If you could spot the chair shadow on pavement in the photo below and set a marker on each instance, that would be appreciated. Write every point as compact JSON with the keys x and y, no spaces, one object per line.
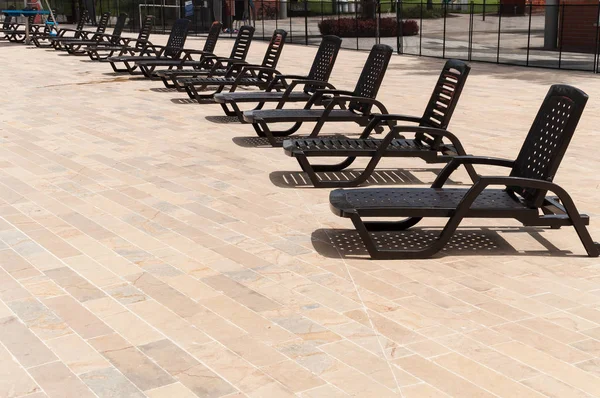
{"x":257,"y":142}
{"x":189,"y":101}
{"x":380,"y":177}
{"x":163,"y":90}
{"x":222,"y":119}
{"x":470,"y":241}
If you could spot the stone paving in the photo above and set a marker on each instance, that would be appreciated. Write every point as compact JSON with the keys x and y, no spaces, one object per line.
{"x":147,"y":250}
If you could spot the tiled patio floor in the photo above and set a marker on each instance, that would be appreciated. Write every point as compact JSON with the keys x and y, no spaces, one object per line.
{"x":148,"y":251}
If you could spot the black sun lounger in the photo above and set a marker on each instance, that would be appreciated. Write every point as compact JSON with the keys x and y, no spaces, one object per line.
{"x":103,"y":50}
{"x":247,"y":75}
{"x":62,"y":43}
{"x":318,"y":77}
{"x":523,"y":196}
{"x":210,"y":64}
{"x":148,"y":66}
{"x":431,"y":141}
{"x":355,"y":106}
{"x":16,"y":33}
{"x":98,"y":39}
{"x":7,"y":26}
{"x":47,"y":40}
{"x":172,"y":50}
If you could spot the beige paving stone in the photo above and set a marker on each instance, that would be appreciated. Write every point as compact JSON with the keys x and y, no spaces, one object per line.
{"x":132,"y":328}
{"x":77,"y":317}
{"x":439,"y":377}
{"x":551,"y":387}
{"x":14,"y":380}
{"x":74,"y":352}
{"x":132,"y":363}
{"x":26,"y":347}
{"x":39,"y":318}
{"x":170,"y":391}
{"x":422,"y":391}
{"x":58,"y":381}
{"x":74,"y":284}
{"x":108,"y":382}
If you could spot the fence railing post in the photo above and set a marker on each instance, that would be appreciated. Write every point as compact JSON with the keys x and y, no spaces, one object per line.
{"x":529,"y":34}
{"x":471,"y":27}
{"x":306,"y":22}
{"x":400,"y":35}
{"x":444,"y":37}
{"x":560,"y":34}
{"x":596,"y":54}
{"x":499,"y":31}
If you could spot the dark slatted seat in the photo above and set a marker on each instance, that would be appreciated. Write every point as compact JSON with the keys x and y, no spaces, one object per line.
{"x":148,"y":66}
{"x":523,"y":197}
{"x":237,"y":75}
{"x":402,"y":202}
{"x":172,"y":50}
{"x":209,"y":64}
{"x":347,"y":106}
{"x":331,"y":146}
{"x":317,"y":78}
{"x":429,"y":142}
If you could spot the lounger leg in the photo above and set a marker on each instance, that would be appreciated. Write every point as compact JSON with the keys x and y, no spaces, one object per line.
{"x":234,"y":112}
{"x":592,"y":248}
{"x":317,"y":183}
{"x":388,"y":254}
{"x":165,"y":81}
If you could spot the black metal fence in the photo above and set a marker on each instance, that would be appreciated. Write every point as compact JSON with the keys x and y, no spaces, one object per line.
{"x":563,"y":36}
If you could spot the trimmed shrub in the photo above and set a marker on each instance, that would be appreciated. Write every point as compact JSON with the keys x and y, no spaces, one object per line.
{"x":352,"y":27}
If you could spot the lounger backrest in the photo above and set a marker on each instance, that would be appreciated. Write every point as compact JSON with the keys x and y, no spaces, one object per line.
{"x":371,"y":76}
{"x":103,"y":22}
{"x":213,"y":36}
{"x":273,"y":52}
{"x":177,"y":38}
{"x":82,"y":21}
{"x":548,"y":139}
{"x":242,"y":43}
{"x":444,"y":98}
{"x":324,"y":61}
{"x":144,"y":34}
{"x":119,"y":26}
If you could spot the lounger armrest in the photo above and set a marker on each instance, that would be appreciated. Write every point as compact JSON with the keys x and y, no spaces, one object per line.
{"x":456,"y":161}
{"x":390,"y":119}
{"x":290,"y":88}
{"x":341,"y":100}
{"x":256,"y":68}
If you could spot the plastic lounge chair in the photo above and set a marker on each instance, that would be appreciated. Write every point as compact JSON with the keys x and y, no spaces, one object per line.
{"x":15,"y":32}
{"x":318,"y":77}
{"x":428,"y":143}
{"x":259,"y":76}
{"x":7,"y":26}
{"x":149,"y":66}
{"x":65,"y":33}
{"x":359,"y":102}
{"x":523,"y":197}
{"x":43,"y":37}
{"x":172,"y":50}
{"x":210,"y":64}
{"x":63,"y":43}
{"x":75,"y":48}
{"x":102,"y":51}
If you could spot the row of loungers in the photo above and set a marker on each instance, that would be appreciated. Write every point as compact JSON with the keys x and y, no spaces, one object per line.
{"x":521,"y":194}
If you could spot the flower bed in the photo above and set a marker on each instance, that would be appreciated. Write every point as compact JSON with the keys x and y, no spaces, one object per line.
{"x":352,"y":27}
